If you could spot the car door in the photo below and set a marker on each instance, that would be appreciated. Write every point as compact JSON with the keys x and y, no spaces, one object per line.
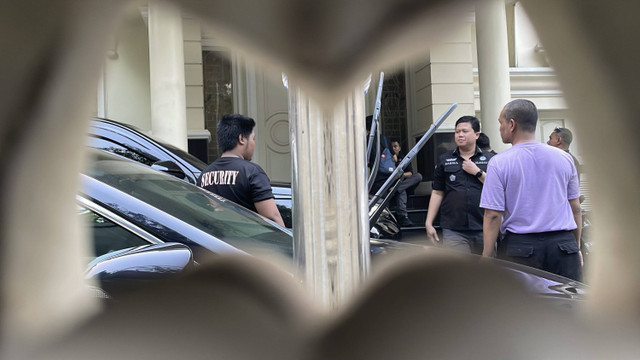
{"x":108,"y":231}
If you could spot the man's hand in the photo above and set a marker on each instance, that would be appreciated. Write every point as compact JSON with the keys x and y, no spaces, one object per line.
{"x":434,"y":207}
{"x":432,"y":234}
{"x":470,"y":167}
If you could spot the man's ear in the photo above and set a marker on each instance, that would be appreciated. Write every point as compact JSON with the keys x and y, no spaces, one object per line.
{"x":512,"y":125}
{"x":241,"y":140}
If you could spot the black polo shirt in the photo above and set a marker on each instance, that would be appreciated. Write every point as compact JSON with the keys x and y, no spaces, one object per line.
{"x":460,"y":209}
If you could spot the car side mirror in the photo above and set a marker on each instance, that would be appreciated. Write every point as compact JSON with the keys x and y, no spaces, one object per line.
{"x":126,"y":269}
{"x":170,"y":168}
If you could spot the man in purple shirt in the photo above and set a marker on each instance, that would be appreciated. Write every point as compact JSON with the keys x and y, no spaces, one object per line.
{"x":531,"y":196}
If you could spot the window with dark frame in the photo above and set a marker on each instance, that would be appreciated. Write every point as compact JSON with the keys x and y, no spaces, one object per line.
{"x":218,"y":93}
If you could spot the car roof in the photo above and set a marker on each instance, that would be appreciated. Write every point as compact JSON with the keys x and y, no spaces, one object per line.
{"x":118,"y":169}
{"x":149,"y":142}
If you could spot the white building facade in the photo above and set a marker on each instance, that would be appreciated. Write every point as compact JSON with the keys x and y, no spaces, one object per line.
{"x":219,"y":80}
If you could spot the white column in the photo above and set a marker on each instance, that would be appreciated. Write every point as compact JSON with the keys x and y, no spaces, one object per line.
{"x":331,"y":227}
{"x":166,"y":70}
{"x":493,"y":66}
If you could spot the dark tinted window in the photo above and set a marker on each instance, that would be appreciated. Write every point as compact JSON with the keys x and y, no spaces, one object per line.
{"x":106,"y":235}
{"x":188,"y":158}
{"x":118,"y":149}
{"x":218,"y":217}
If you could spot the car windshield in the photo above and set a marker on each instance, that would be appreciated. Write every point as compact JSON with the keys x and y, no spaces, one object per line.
{"x":219,"y":217}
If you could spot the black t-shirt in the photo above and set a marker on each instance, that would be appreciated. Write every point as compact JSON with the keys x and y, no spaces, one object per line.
{"x":238,"y":180}
{"x":460,"y":208}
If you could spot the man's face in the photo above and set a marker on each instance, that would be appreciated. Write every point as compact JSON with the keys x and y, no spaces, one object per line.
{"x":396,"y":147}
{"x":505,"y":132}
{"x":554,"y":139}
{"x":249,"y":147}
{"x":465,"y":136}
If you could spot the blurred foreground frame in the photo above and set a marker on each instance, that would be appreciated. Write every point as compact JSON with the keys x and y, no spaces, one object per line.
{"x":53,"y":52}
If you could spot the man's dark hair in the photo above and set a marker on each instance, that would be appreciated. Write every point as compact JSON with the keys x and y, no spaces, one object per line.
{"x":524,"y":112}
{"x":475,"y":123}
{"x":483,"y":142}
{"x":564,"y":134}
{"x":230,"y":127}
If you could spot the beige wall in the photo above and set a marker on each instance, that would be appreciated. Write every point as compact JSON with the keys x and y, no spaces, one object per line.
{"x":531,"y":76}
{"x":193,"y":73}
{"x":522,"y":39}
{"x":126,"y":94}
{"x":126,"y":77}
{"x":528,"y":48}
{"x":442,"y":76}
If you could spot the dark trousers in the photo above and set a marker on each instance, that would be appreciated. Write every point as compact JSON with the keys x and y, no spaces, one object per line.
{"x":470,"y":241}
{"x":401,"y":193}
{"x":553,"y":251}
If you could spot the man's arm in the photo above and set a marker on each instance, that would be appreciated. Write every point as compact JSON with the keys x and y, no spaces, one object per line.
{"x":434,"y":207}
{"x":268,"y":209}
{"x":490,"y":228}
{"x":577,"y":216}
{"x":408,"y":171}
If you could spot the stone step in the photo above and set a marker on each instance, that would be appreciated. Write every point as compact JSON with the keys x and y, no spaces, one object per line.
{"x":417,"y":202}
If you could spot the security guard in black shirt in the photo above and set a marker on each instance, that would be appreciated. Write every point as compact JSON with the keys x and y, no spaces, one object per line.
{"x":457,"y":186}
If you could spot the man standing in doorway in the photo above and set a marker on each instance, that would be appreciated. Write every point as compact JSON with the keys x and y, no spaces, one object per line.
{"x":531,"y":196}
{"x":457,"y":185}
{"x":233,"y":175}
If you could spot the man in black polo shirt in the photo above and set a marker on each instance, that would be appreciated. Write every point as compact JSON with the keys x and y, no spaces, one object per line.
{"x":457,"y":186}
{"x":233,"y":175}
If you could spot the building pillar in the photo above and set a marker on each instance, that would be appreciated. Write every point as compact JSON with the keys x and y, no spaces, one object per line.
{"x":493,"y":66}
{"x":449,"y":78}
{"x":166,"y":70}
{"x":330,"y":217}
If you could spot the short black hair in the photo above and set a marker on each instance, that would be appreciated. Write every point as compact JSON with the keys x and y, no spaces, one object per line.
{"x":475,"y":123}
{"x":483,"y":141}
{"x":230,"y":127}
{"x":523,"y":112}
